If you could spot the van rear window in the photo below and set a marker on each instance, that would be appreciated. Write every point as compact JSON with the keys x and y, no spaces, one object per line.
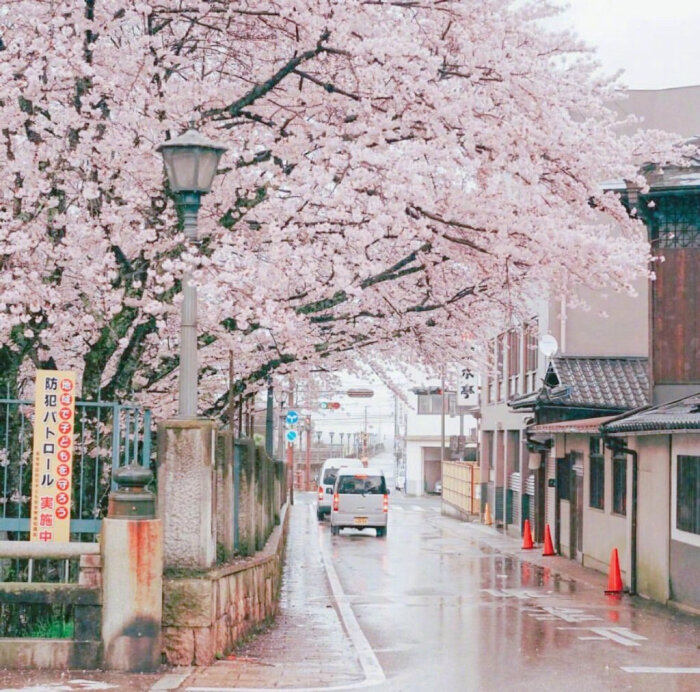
{"x":361,"y":484}
{"x":329,"y":476}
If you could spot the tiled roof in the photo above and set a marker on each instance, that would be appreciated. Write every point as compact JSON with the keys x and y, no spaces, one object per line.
{"x":683,"y":414}
{"x":613,"y":384}
{"x":610,"y":383}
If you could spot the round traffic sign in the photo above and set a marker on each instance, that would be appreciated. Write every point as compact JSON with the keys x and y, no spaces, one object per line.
{"x":291,"y":435}
{"x":292,"y":417}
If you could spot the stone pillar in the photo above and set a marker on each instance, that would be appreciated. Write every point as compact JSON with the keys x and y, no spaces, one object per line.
{"x":186,"y":491}
{"x":132,"y":575}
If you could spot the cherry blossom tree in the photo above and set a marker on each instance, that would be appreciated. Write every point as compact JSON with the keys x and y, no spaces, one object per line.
{"x":402,"y":178}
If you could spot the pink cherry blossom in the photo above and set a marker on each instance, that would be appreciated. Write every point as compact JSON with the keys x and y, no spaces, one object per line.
{"x":397,"y":172}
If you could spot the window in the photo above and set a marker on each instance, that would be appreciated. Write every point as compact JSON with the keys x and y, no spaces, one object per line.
{"x":500,"y":366}
{"x":487,"y":447}
{"x":688,"y":494}
{"x":492,"y":395}
{"x":619,"y":484}
{"x":513,"y":362}
{"x":672,"y":217}
{"x":531,"y":350}
{"x":360,"y":484}
{"x":432,"y":403}
{"x":564,"y":478}
{"x":597,"y":473}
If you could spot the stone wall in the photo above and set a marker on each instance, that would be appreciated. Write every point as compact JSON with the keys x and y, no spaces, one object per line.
{"x":206,"y":612}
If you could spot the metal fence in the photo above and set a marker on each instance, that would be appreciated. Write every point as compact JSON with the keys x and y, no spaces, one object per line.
{"x":107,"y":436}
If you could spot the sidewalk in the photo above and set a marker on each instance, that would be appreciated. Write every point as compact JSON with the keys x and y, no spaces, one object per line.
{"x":306,"y":646}
{"x":557,"y":565}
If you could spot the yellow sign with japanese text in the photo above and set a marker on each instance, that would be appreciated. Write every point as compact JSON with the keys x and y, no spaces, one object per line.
{"x":54,"y":417}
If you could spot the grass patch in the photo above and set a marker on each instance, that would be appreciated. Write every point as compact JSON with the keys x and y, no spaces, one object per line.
{"x":52,"y":629}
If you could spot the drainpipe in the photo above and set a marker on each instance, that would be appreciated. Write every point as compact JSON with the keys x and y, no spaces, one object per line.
{"x":618,"y":446}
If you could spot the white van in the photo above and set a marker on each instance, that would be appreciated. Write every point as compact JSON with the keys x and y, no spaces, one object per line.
{"x":326,"y":481}
{"x":360,"y":501}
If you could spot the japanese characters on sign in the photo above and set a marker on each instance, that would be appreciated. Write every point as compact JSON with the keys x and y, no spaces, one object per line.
{"x":52,"y":455}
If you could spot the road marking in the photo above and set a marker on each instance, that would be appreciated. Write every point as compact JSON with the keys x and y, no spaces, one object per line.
{"x":660,"y":670}
{"x":559,"y":613}
{"x":418,"y":508}
{"x":621,"y":635}
{"x":522,"y":594}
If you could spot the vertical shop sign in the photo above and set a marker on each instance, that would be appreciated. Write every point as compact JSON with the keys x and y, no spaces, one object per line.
{"x":54,"y":415}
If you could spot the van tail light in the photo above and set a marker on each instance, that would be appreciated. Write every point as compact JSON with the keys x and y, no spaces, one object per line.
{"x":320,"y":493}
{"x":385,"y":504}
{"x":336,"y":499}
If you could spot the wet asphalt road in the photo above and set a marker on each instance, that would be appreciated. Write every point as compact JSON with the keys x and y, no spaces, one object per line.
{"x":443,"y":610}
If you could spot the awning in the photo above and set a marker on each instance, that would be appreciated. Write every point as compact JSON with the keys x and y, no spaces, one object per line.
{"x":584,"y":425}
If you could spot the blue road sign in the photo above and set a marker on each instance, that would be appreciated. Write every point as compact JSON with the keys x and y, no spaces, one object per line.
{"x":292,"y":418}
{"x":291,"y":435}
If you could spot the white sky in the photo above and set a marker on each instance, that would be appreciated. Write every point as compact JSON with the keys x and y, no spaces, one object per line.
{"x":656,"y":42}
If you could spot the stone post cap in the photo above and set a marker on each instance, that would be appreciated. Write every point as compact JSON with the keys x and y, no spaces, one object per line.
{"x":132,"y":500}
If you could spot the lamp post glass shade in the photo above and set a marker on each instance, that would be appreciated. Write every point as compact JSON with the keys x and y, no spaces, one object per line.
{"x":190,"y":161}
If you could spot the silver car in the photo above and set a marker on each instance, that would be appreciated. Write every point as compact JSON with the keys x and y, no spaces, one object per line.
{"x":360,"y":501}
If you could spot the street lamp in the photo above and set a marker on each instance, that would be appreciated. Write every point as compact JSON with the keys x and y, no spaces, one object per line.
{"x":190,"y":163}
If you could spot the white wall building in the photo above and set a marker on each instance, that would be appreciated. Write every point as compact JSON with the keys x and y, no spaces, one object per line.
{"x":423,"y":435}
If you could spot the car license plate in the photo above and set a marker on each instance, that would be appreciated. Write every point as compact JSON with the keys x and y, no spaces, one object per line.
{"x":360,"y":520}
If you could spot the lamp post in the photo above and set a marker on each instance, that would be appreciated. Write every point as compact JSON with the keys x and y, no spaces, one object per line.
{"x":190,"y":163}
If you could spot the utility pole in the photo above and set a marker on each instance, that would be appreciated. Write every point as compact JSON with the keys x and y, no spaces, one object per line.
{"x":396,"y":435}
{"x":442,"y":421}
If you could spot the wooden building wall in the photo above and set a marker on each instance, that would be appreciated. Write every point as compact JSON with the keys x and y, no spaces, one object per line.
{"x":675,"y":317}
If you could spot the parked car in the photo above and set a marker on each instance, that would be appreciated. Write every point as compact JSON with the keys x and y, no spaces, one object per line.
{"x":438,"y":487}
{"x":360,"y":501}
{"x":326,"y":480}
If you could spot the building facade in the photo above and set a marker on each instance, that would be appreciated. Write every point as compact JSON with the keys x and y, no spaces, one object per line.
{"x":426,"y":411}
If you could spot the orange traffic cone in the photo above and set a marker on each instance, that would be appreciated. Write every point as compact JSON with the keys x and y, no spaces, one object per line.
{"x":548,"y":547}
{"x":487,"y":515}
{"x":614,"y":578}
{"x":527,"y":536}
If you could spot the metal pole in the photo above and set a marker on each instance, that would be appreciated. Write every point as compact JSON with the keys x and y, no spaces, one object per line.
{"x":290,"y":451}
{"x":268,"y":421}
{"x":308,"y":456}
{"x":189,"y":204}
{"x":231,"y":398}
